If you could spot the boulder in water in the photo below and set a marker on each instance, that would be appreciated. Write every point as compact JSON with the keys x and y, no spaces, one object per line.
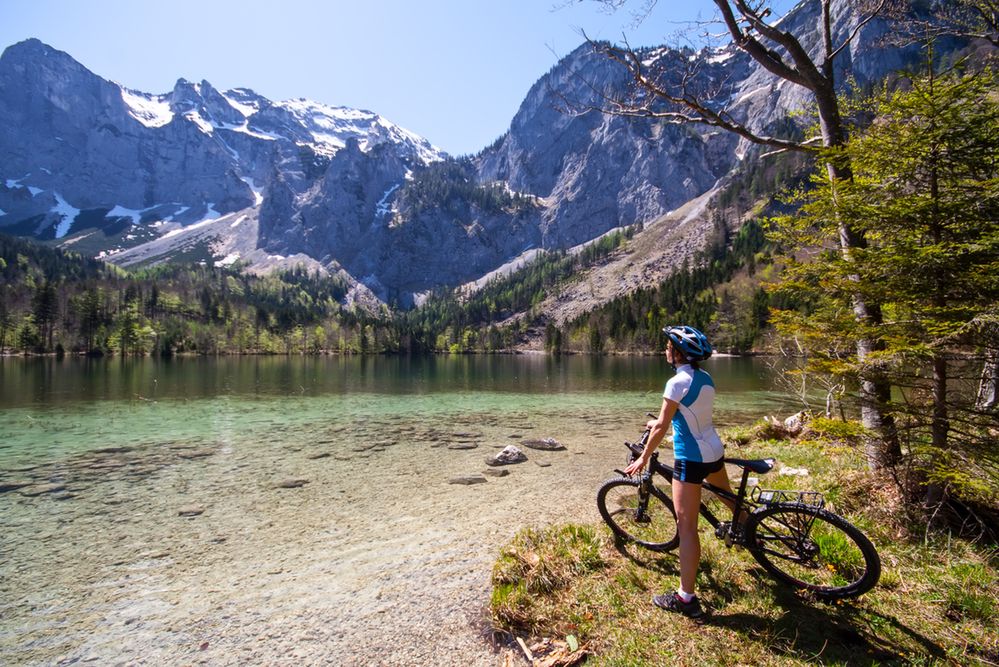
{"x":546,"y":444}
{"x":293,"y":483}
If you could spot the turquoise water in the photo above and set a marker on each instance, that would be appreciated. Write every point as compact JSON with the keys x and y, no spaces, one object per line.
{"x":244,"y":510}
{"x":51,"y":407}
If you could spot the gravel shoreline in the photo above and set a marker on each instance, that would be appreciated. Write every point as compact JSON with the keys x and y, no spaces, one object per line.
{"x":208,"y":553}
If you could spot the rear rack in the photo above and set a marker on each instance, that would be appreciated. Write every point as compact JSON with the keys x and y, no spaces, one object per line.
{"x":774,"y":496}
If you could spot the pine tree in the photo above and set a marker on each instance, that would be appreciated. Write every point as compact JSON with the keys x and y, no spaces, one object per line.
{"x":925,"y":191}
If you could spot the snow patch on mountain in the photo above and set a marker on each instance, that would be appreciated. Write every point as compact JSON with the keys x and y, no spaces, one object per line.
{"x":241,"y":102}
{"x":211,"y":216}
{"x":382,"y":207}
{"x":120,"y":211}
{"x":331,"y":127}
{"x":13,"y":183}
{"x":150,"y":110}
{"x":202,"y":124}
{"x":258,"y":192}
{"x":68,"y":213}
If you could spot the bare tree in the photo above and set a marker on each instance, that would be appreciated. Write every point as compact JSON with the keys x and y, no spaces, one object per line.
{"x":676,"y":98}
{"x":970,"y":19}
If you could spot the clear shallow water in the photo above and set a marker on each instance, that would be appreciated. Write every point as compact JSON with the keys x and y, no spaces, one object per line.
{"x":374,"y":549}
{"x":50,"y":407}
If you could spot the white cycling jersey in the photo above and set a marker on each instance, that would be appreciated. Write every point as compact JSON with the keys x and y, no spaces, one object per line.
{"x":694,"y":434}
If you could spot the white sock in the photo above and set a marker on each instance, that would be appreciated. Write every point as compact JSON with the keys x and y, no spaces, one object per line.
{"x":684,"y":595}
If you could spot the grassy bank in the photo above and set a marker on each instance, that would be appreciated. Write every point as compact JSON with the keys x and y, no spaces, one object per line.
{"x":936,"y":602}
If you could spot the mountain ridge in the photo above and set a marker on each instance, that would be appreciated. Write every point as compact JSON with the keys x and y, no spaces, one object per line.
{"x":344,"y":190}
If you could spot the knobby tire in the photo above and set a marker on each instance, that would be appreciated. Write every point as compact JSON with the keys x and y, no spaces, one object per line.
{"x":618,"y":501}
{"x":814,"y":550}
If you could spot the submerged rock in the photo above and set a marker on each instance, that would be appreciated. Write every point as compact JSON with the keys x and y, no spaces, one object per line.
{"x":496,"y":472}
{"x":42,"y":489}
{"x":190,"y":510}
{"x":462,"y":445}
{"x":293,"y":483}
{"x":468,"y":480}
{"x":509,"y":455}
{"x":195,"y":454}
{"x":546,"y":444}
{"x":13,"y":485}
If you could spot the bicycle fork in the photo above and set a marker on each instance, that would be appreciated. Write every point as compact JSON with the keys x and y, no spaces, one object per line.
{"x":644,"y":492}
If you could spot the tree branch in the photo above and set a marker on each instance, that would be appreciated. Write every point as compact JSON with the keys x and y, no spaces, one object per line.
{"x":697,"y":110}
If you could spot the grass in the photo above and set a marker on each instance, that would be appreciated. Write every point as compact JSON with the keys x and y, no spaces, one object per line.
{"x":936,"y":603}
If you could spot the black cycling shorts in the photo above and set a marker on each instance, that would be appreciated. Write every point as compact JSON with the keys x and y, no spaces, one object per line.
{"x":694,"y":472}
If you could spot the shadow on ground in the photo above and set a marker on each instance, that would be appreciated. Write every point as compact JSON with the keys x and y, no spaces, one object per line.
{"x":849,"y":632}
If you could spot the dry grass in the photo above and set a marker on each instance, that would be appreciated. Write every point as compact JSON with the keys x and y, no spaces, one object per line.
{"x":936,"y":602}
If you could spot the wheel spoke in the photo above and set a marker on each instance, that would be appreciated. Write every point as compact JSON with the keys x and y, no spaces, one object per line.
{"x":814,"y":549}
{"x":648,"y":521}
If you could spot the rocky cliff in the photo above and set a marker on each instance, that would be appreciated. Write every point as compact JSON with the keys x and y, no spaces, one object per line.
{"x":108,"y":169}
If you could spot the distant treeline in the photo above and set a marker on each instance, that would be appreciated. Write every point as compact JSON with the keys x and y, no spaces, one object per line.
{"x":56,"y":301}
{"x":449,"y":321}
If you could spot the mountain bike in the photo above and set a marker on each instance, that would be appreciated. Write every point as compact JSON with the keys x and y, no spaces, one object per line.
{"x":790,"y":533}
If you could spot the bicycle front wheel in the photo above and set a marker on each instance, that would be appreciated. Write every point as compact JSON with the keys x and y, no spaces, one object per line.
{"x":815,"y":550}
{"x":645,"y":518}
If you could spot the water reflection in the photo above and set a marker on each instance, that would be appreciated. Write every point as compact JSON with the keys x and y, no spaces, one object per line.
{"x":50,"y":382}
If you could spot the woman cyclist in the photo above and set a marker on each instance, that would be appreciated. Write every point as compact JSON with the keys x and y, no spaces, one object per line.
{"x":697,"y":451}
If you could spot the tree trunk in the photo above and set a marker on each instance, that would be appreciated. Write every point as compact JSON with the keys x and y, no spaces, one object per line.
{"x":988,"y":388}
{"x":939,"y":428}
{"x":875,"y":390}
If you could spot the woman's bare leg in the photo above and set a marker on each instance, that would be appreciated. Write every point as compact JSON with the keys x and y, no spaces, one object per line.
{"x":687,"y":500}
{"x":719,"y":479}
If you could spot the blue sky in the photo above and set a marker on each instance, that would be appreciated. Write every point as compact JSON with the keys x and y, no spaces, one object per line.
{"x":453,"y":71}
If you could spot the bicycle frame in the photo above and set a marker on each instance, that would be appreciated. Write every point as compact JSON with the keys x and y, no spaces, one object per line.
{"x":775,"y":525}
{"x":739,"y":498}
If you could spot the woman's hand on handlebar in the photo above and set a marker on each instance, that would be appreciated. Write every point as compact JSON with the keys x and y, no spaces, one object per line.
{"x":637,"y":465}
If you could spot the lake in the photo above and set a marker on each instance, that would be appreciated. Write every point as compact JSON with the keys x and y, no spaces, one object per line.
{"x":258,"y":510}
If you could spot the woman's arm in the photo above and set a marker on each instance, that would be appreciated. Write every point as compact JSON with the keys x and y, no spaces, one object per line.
{"x":657,"y":428}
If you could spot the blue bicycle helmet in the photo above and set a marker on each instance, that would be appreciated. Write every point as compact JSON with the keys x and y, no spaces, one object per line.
{"x":692,"y":343}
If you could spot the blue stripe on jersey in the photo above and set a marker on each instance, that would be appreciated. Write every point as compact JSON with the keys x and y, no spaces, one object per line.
{"x":684,"y":443}
{"x":700,"y":379}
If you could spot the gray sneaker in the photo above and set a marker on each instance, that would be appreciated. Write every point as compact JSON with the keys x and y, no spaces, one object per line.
{"x":673,"y":602}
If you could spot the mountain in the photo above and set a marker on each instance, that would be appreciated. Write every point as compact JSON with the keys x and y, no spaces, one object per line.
{"x":86,"y":158}
{"x":225,"y":176}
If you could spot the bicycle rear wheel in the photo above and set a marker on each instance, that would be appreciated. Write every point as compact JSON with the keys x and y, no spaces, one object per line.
{"x":645,"y":518}
{"x":812,"y":549}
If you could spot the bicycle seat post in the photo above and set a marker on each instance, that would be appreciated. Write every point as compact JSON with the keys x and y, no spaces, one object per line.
{"x":740,"y":496}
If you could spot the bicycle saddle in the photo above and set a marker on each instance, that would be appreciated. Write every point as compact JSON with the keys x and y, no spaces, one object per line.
{"x":756,"y":465}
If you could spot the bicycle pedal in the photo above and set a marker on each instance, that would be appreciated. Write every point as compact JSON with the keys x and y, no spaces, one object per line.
{"x":723,"y":529}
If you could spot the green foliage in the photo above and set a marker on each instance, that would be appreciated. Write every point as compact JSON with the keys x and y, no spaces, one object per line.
{"x":446,"y":313}
{"x":541,"y":562}
{"x":837,"y":430}
{"x":925,"y":192}
{"x":451,"y":185}
{"x":56,"y":300}
{"x":936,"y":591}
